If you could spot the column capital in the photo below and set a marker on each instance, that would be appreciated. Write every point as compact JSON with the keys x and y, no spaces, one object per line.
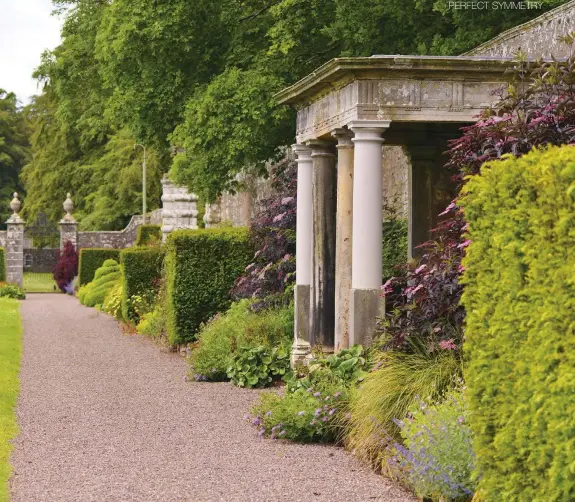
{"x":321,"y":148}
{"x":368,"y":130}
{"x":344,"y":138}
{"x":303,"y":152}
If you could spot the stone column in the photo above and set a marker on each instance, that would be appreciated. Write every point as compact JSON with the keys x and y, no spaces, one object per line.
{"x":366,"y":303}
{"x":322,"y":291}
{"x":68,"y":225}
{"x":301,"y":347}
{"x":424,"y":165}
{"x":15,"y":245}
{"x":213,"y":214}
{"x":179,"y":208}
{"x":343,"y":248}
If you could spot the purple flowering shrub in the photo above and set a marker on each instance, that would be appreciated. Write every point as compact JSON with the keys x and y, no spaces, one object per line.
{"x":306,"y":415}
{"x":436,"y":458}
{"x":67,"y":267}
{"x":270,"y":276}
{"x":537,"y":109}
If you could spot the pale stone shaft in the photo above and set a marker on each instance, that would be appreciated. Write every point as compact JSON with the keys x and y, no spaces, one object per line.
{"x":366,"y":303}
{"x":15,"y":244}
{"x":304,"y":215}
{"x":322,"y":292}
{"x":344,"y":235}
{"x":179,"y":208}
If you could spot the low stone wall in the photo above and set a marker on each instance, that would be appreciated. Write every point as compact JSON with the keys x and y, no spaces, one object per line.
{"x":111,"y":239}
{"x":40,"y":260}
{"x":538,"y":37}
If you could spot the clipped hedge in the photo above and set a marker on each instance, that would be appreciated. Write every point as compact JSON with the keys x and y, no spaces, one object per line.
{"x":149,"y":234}
{"x":2,"y":265}
{"x":91,"y":259}
{"x":105,"y":279}
{"x":201,"y":267}
{"x":141,"y":274}
{"x":519,"y":296}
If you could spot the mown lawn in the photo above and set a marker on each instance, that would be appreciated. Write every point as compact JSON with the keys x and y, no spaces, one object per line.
{"x":39,"y":283}
{"x":10,"y":354}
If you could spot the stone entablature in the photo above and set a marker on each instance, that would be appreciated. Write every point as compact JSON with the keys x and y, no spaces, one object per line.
{"x":538,"y":37}
{"x":396,"y":88}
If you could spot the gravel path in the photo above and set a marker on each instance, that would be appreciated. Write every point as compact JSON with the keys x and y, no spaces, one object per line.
{"x":108,"y":417}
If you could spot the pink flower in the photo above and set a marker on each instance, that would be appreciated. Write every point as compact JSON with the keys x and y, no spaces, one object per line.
{"x":420,"y":268}
{"x":387,"y":287}
{"x":278,"y":217}
{"x":448,"y":209}
{"x":447,"y":344}
{"x":464,"y":244}
{"x":461,"y":269}
{"x":286,"y":200}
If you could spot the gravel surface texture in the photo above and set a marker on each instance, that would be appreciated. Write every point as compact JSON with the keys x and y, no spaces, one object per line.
{"x":108,"y":417}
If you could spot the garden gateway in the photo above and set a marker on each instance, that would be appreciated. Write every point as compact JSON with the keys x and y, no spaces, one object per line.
{"x":346,"y":111}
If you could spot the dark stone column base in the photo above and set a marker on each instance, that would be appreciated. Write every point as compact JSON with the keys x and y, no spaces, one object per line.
{"x":366,"y":305}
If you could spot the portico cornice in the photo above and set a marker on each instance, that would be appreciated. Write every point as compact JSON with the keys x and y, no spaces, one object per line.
{"x":395,"y":88}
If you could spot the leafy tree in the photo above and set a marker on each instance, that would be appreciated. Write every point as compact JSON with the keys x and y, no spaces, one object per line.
{"x":14,"y":150}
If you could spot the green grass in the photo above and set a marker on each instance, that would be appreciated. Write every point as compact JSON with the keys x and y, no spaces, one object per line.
{"x":10,"y":354}
{"x":39,"y":283}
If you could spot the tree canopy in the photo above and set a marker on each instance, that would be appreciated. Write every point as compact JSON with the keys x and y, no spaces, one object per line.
{"x":14,"y":150}
{"x":201,"y":77}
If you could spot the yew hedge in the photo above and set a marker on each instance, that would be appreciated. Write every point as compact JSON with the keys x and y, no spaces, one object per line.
{"x":2,"y":265}
{"x":201,"y":267}
{"x":519,"y":296}
{"x":91,"y":259}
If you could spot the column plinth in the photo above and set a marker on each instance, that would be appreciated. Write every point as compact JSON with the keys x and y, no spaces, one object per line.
{"x":322,"y":291}
{"x":344,"y":236}
{"x":304,"y":214}
{"x":366,"y":302}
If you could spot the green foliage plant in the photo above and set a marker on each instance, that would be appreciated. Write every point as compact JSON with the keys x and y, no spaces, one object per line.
{"x":10,"y":355}
{"x":396,"y":383}
{"x":149,"y":235}
{"x":220,"y":338}
{"x":258,"y":366}
{"x":91,"y":259}
{"x":394,"y":243}
{"x":9,"y":290}
{"x":306,"y":415}
{"x":201,"y":267}
{"x":152,"y":324}
{"x":436,"y":456}
{"x":106,"y":277}
{"x":141,"y":277}
{"x":2,"y":265}
{"x":520,"y":340}
{"x":113,"y":301}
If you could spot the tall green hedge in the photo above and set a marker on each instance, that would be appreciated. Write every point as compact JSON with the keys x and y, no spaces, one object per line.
{"x":520,"y":335}
{"x":141,"y":273}
{"x":2,"y":265}
{"x":201,"y":267}
{"x":91,"y":259}
{"x":149,"y":234}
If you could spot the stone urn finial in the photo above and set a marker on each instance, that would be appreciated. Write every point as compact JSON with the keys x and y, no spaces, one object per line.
{"x":15,"y":204}
{"x":68,"y":206}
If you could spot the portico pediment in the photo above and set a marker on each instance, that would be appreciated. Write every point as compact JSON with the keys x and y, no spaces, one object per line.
{"x":396,"y":88}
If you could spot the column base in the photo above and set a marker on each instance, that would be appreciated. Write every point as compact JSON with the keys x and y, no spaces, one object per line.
{"x":301,"y":347}
{"x":366,"y":305}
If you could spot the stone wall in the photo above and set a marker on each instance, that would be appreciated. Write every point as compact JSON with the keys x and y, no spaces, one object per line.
{"x":538,"y":37}
{"x":111,"y":239}
{"x":395,"y":180}
{"x":2,"y":238}
{"x":238,"y":209}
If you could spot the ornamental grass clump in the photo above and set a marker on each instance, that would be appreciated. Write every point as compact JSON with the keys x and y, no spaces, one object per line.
{"x":397,"y":382}
{"x":436,"y":457}
{"x":520,"y":329}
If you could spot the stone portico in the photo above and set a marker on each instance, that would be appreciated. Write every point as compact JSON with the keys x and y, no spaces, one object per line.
{"x":346,"y":111}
